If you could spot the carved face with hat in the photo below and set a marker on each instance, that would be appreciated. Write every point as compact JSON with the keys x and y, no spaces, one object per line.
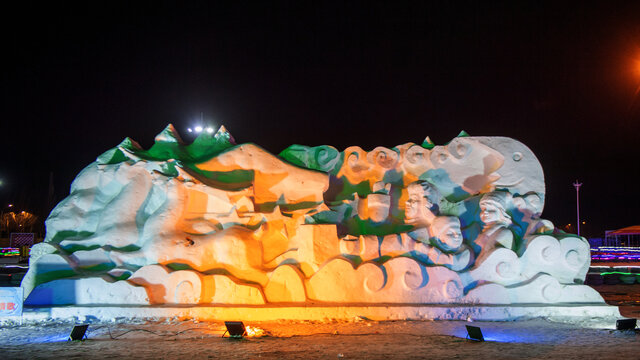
{"x":493,"y":209}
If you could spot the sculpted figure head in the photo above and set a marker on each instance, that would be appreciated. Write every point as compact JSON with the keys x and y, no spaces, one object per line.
{"x":493,"y":210}
{"x":422,"y":203}
{"x":445,"y":230}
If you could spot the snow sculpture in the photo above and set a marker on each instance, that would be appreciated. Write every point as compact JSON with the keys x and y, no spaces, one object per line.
{"x":495,"y":232}
{"x":213,"y":222}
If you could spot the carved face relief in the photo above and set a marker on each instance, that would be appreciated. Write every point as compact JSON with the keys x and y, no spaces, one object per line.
{"x":418,"y":205}
{"x":451,"y":235}
{"x":412,"y":206}
{"x":447,"y":232}
{"x":489,"y":214}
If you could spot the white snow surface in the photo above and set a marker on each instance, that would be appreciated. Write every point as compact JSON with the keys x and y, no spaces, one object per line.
{"x":359,"y":338}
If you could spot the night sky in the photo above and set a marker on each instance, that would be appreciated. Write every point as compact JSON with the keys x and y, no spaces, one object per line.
{"x":77,"y":78}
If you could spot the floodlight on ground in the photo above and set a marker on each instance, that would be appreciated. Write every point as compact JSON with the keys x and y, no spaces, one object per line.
{"x":198,"y":129}
{"x":210,"y":130}
{"x":235,"y":329}
{"x":78,"y":332}
{"x":626,"y":324}
{"x":474,"y":333}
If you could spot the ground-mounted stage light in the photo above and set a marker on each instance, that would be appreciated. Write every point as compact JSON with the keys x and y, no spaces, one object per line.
{"x":235,"y":329}
{"x":474,"y":333}
{"x":626,"y":324}
{"x":78,"y":332}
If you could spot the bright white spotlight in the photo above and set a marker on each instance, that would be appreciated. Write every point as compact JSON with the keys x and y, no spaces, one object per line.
{"x":198,"y":129}
{"x":210,"y":130}
{"x":189,"y":130}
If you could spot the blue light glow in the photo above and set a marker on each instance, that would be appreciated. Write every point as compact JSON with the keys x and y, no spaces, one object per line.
{"x":49,"y":338}
{"x":505,"y":334}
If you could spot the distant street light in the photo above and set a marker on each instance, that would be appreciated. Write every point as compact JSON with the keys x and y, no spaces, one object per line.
{"x":577,"y":186}
{"x":201,"y":127}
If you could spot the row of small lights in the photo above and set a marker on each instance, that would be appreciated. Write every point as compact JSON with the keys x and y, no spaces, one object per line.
{"x":615,"y":248}
{"x":199,"y":129}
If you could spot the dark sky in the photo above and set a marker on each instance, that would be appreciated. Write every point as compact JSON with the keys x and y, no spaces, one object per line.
{"x":562,"y":78}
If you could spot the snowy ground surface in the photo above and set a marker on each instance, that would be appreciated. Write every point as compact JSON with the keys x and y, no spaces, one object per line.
{"x":537,"y":339}
{"x":356,"y":339}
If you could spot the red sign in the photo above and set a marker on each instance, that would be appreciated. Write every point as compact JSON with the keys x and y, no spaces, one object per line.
{"x":7,"y":306}
{"x":11,"y":301}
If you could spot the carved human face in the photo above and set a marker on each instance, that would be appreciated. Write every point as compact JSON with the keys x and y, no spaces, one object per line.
{"x":415,"y":202}
{"x":489,"y":213}
{"x":447,"y":232}
{"x":451,"y":235}
{"x":412,"y":206}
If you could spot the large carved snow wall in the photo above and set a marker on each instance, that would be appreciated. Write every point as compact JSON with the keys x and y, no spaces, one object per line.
{"x":213,"y":222}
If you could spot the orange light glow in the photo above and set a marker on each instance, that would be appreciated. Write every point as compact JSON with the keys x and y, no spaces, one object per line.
{"x":253,"y":331}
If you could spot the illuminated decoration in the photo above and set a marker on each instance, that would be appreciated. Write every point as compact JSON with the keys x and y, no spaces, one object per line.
{"x":9,"y":251}
{"x":625,"y":277}
{"x":607,"y":254}
{"x":213,"y":222}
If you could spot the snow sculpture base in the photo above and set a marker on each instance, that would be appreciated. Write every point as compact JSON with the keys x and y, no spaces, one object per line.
{"x":378,"y":312}
{"x":452,"y":230}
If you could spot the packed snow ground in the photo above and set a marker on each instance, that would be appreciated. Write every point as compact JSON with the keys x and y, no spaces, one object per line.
{"x":355,"y":339}
{"x":173,"y":339}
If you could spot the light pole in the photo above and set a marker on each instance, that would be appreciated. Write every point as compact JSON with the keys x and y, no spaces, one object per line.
{"x":577,"y":186}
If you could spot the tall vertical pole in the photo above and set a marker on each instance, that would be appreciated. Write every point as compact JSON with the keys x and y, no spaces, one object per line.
{"x":577,"y":186}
